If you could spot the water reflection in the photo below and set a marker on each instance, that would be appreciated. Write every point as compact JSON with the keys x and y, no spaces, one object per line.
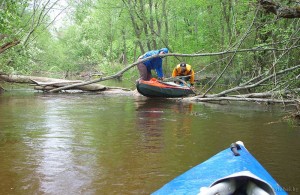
{"x":183,"y":124}
{"x":154,"y":116}
{"x":61,"y":161}
{"x":149,"y":120}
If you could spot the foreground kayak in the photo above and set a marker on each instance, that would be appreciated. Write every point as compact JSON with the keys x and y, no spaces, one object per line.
{"x":232,"y":171}
{"x":155,"y":88}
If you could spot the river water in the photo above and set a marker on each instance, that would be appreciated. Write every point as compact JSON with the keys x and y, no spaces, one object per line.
{"x":95,"y":144}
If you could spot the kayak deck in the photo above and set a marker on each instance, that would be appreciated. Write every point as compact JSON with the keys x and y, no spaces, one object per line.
{"x":222,"y":166}
{"x":155,"y":88}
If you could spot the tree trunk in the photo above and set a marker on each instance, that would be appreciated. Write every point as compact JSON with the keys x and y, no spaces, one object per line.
{"x":280,"y":11}
{"x":166,"y":24}
{"x":151,"y":24}
{"x":135,"y":25}
{"x":144,"y":19}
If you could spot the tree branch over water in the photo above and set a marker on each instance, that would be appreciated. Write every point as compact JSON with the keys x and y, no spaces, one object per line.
{"x":249,"y":86}
{"x":121,"y":72}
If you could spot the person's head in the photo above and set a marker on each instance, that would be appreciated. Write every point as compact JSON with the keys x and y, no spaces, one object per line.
{"x":182,"y":67}
{"x":163,"y":51}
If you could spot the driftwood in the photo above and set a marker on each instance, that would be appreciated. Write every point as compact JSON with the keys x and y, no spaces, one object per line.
{"x":46,"y":84}
{"x":266,"y":97}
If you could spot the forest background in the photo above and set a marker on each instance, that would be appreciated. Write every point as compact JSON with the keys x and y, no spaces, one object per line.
{"x":228,"y":42}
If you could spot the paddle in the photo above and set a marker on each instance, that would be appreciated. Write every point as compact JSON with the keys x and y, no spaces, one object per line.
{"x":181,"y":79}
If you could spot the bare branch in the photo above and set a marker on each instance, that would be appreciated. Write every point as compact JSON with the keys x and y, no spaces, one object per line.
{"x":41,"y":16}
{"x":214,"y":99}
{"x":238,"y":88}
{"x":255,"y":49}
{"x":50,"y":23}
{"x":231,"y":59}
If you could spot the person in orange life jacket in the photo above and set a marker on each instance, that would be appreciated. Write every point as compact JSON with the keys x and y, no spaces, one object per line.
{"x":152,"y":64}
{"x":184,"y":69}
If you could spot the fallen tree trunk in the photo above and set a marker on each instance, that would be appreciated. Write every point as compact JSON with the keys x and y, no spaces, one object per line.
{"x":46,"y":84}
{"x":281,"y":96}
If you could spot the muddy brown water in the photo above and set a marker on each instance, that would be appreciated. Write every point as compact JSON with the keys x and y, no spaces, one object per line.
{"x":93,"y":144}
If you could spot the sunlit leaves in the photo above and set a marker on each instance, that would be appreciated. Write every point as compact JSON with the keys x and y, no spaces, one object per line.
{"x":103,"y":32}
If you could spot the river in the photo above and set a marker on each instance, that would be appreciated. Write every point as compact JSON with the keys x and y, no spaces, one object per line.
{"x":95,"y":144}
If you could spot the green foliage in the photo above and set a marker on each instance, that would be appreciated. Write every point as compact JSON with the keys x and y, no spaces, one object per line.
{"x":10,"y":15}
{"x":103,"y":31}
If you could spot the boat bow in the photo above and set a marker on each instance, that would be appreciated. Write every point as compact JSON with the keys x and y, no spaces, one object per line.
{"x":225,"y":173}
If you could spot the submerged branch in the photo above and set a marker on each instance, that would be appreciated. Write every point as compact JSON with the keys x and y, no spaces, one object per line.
{"x":218,"y":99}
